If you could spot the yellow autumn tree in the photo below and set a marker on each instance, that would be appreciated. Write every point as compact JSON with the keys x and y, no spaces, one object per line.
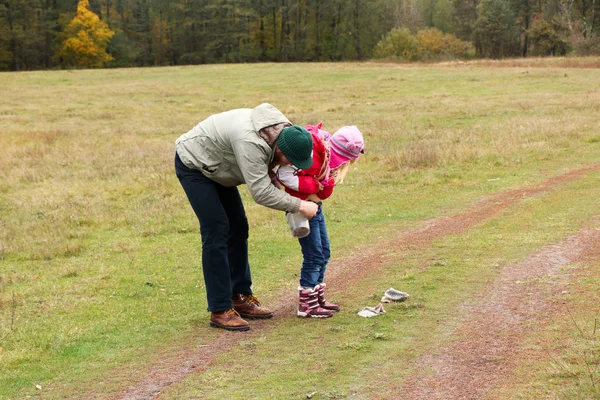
{"x":86,"y":38}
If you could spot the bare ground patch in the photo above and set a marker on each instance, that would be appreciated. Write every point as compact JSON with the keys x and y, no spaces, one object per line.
{"x":174,"y":365}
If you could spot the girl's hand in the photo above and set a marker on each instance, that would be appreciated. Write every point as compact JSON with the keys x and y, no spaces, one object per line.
{"x":328,"y":183}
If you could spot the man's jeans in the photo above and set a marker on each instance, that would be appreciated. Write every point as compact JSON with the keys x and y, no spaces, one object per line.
{"x":316,"y":252}
{"x":224,"y":230}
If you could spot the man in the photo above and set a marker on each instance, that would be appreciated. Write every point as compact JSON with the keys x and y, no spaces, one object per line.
{"x":220,"y":153}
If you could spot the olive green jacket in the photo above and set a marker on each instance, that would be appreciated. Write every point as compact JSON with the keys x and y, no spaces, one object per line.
{"x":228,"y":149}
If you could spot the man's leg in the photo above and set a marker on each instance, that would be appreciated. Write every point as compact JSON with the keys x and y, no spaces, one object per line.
{"x":203,"y":196}
{"x":237,"y":240}
{"x":244,"y":302}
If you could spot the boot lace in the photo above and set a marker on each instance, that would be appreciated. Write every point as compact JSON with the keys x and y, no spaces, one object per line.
{"x":252,"y":300}
{"x":231,"y":312}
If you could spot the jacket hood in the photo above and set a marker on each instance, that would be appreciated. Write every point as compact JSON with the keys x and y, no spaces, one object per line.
{"x":266,"y":115}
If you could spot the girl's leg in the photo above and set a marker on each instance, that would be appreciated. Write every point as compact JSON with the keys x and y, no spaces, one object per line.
{"x":325,"y":248}
{"x":308,"y":291}
{"x":312,"y":252}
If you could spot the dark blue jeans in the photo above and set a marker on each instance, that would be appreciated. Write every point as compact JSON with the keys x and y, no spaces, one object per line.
{"x":315,"y":250}
{"x":224,"y":230}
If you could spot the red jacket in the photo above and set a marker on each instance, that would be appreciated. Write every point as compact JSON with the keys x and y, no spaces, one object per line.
{"x":302,"y":183}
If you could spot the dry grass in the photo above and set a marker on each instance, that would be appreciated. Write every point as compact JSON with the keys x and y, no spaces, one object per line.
{"x":530,"y":62}
{"x":91,"y":211}
{"x":88,"y":150}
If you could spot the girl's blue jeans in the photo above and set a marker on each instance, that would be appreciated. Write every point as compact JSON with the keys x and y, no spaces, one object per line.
{"x":224,"y":230}
{"x":315,"y":250}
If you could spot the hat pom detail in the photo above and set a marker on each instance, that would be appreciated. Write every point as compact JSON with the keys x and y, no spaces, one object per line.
{"x":354,"y":146}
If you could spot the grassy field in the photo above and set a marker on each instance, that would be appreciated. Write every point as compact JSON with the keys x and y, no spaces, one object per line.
{"x":100,"y":251}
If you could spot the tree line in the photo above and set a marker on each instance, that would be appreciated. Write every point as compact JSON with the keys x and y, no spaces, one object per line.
{"x":45,"y":34}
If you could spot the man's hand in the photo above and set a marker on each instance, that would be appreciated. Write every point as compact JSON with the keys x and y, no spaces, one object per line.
{"x":308,"y":208}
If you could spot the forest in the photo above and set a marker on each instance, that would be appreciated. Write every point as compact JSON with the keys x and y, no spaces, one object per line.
{"x":53,"y":34}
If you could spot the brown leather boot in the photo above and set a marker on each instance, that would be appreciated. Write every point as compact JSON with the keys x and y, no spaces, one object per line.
{"x":249,"y":307}
{"x":229,"y":320}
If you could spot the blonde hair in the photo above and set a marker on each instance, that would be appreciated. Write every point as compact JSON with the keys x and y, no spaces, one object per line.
{"x":340,"y":172}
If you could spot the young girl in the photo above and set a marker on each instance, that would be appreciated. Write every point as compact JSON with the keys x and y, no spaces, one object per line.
{"x":332,"y":156}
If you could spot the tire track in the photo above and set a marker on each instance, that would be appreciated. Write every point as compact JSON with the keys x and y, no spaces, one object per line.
{"x":488,"y":342}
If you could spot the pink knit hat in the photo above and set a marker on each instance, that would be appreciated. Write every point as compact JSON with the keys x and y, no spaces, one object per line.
{"x":346,"y":144}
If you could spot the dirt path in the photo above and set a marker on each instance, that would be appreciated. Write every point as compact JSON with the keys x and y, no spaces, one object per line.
{"x":488,"y":343}
{"x":174,"y":366}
